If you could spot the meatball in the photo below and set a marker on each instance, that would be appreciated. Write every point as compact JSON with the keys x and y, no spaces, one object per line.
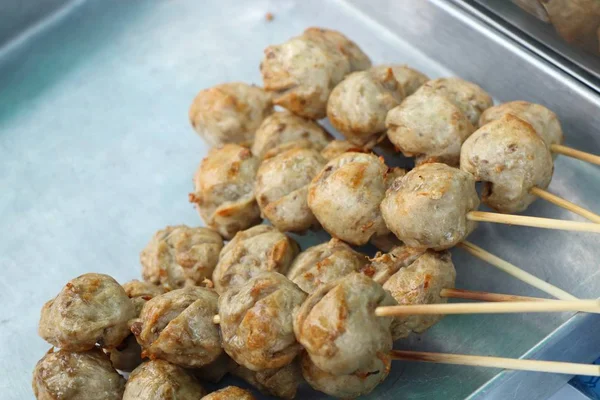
{"x":159,"y":380}
{"x":178,"y":327}
{"x":91,"y":309}
{"x":224,"y":190}
{"x":427,"y":208}
{"x":470,"y":98}
{"x":280,"y":382}
{"x":256,"y":321}
{"x":302,"y":71}
{"x":76,"y":376}
{"x":511,"y":159}
{"x":429,"y":127}
{"x":347,"y":386}
{"x":230,"y":113}
{"x":141,"y":292}
{"x":358,"y":105}
{"x":544,"y":121}
{"x":230,"y":393}
{"x":351,"y":185}
{"x":338,"y":328}
{"x":384,"y":265}
{"x":324,"y":263}
{"x":283,"y":128}
{"x":255,"y":250}
{"x":338,"y":147}
{"x":179,"y":256}
{"x":282,"y":185}
{"x":408,"y":78}
{"x":421,"y":283}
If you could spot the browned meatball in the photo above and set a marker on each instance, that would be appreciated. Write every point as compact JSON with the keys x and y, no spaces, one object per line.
{"x":282,"y":186}
{"x":76,"y":376}
{"x":543,"y":120}
{"x":224,"y":190}
{"x":229,"y":113}
{"x":256,"y":321}
{"x":91,"y":309}
{"x":338,"y":328}
{"x":351,"y":185}
{"x":384,"y":265}
{"x":302,"y":71}
{"x":285,"y":128}
{"x":338,"y":147}
{"x":358,"y":105}
{"x":230,"y":393}
{"x":347,"y":386}
{"x":511,"y":159}
{"x":178,"y":327}
{"x":430,"y":127}
{"x":179,"y":256}
{"x":428,"y":207}
{"x":280,"y":382}
{"x":324,"y":263}
{"x":421,"y":283}
{"x":255,"y":250}
{"x":408,"y":78}
{"x":470,"y":98}
{"x":140,"y":292}
{"x":159,"y":380}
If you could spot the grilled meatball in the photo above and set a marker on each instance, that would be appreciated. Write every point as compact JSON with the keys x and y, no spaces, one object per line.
{"x":229,"y":113}
{"x":255,"y":250}
{"x":384,"y":265}
{"x":324,"y":263}
{"x":421,"y":283}
{"x":544,"y":121}
{"x":430,"y":127}
{"x":302,"y":71}
{"x":347,"y":386}
{"x":283,"y":128}
{"x":351,"y":185}
{"x":76,"y":376}
{"x":282,"y":185}
{"x":230,"y":393}
{"x":178,"y":327}
{"x":511,"y":159}
{"x":338,"y":328}
{"x":338,"y":147}
{"x":140,"y":292}
{"x":224,"y":190}
{"x":159,"y":380}
{"x":91,"y":309}
{"x":280,"y":382}
{"x":470,"y":98}
{"x":358,"y":105}
{"x":256,"y":321}
{"x":179,"y":256}
{"x":427,"y":208}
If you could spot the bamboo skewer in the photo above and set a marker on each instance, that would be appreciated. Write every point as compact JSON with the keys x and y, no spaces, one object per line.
{"x":567,"y":205}
{"x":485,"y":296}
{"x":578,"y":154}
{"x":591,"y":306}
{"x":537,"y":222}
{"x":515,"y":271}
{"x":498,"y":362}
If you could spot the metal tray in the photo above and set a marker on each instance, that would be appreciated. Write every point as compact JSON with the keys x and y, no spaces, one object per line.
{"x":96,"y":153}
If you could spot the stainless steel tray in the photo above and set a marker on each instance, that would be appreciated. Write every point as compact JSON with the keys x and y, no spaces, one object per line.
{"x":96,"y":153}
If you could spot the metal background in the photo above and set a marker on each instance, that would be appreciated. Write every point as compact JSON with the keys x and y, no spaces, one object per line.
{"x":96,"y":154}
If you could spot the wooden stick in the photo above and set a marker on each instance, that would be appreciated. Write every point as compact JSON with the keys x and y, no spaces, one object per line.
{"x":515,"y":271}
{"x":546,"y":223}
{"x":567,"y":205}
{"x":498,"y":362}
{"x":485,"y":296}
{"x":216,"y":319}
{"x":591,"y":306}
{"x":578,"y":154}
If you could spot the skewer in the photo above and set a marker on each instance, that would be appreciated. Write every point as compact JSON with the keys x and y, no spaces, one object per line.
{"x":537,"y":222}
{"x":578,"y":154}
{"x":567,"y":205}
{"x":485,"y":296}
{"x":591,"y":306}
{"x":515,"y":271}
{"x":498,"y":362}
